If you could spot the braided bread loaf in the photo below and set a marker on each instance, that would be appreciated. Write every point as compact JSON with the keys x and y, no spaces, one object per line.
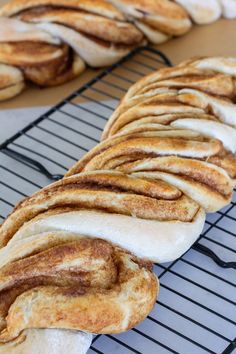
{"x":51,"y":41}
{"x":62,"y":276}
{"x":68,"y":254}
{"x":178,"y":126}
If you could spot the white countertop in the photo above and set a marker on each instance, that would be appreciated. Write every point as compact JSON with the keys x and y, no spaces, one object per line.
{"x":16,"y":119}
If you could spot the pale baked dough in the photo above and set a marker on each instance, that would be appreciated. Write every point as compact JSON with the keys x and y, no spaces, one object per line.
{"x":157,"y":241}
{"x":202,"y":11}
{"x":229,"y":8}
{"x":224,"y":109}
{"x":53,"y":341}
{"x":11,"y":82}
{"x":217,"y":130}
{"x":92,"y":53}
{"x":13,"y":30}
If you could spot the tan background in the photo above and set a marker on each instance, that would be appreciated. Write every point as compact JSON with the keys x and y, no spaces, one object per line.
{"x":215,"y":39}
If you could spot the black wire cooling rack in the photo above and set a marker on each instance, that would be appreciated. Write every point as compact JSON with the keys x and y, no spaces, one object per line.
{"x":195,"y":312}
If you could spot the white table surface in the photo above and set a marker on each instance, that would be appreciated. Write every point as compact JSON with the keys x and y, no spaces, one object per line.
{"x":11,"y":121}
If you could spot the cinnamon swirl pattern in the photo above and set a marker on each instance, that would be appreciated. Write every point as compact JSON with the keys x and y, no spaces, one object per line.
{"x":57,"y":278}
{"x":52,"y":41}
{"x":76,"y":257}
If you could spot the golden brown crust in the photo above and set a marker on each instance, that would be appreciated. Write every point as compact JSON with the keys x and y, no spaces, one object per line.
{"x":162,"y":74}
{"x":43,"y":64}
{"x":158,"y":7}
{"x":84,"y":284}
{"x":147,"y":109}
{"x":183,"y":71}
{"x":217,"y":84}
{"x":196,"y":170}
{"x":147,"y":133}
{"x":158,"y":136}
{"x":85,"y":26}
{"x":109,"y":143}
{"x":166,"y":82}
{"x":189,"y":163}
{"x":94,"y":25}
{"x":152,"y":104}
{"x":157,"y":146}
{"x":162,"y":15}
{"x":162,"y":122}
{"x":109,"y":191}
{"x":52,"y":75}
{"x":227,"y":161}
{"x":33,"y":54}
{"x":99,"y":7}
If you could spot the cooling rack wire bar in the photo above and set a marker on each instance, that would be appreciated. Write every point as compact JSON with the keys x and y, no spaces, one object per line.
{"x":195,"y":312}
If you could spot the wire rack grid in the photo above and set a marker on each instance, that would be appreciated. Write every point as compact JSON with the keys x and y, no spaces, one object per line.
{"x":195,"y":311}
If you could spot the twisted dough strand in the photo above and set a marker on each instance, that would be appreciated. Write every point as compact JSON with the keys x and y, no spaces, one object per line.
{"x":195,"y":100}
{"x":74,"y":283}
{"x":75,"y":33}
{"x":176,"y":125}
{"x":68,"y":257}
{"x":67,"y":280}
